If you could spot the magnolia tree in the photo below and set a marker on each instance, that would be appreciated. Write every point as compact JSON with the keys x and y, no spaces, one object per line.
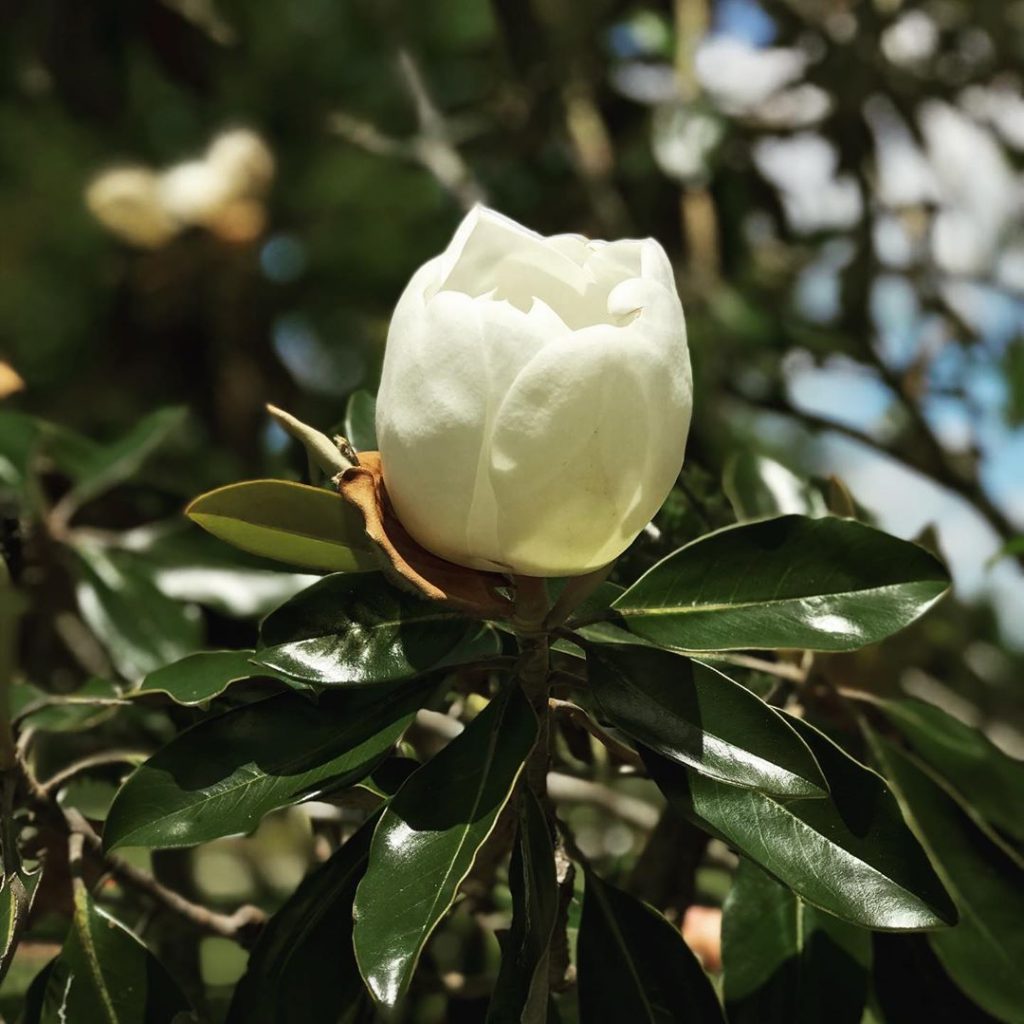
{"x":474,"y":659}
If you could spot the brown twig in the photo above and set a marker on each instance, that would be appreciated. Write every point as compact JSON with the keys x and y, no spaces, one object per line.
{"x":243,"y":926}
{"x":578,"y":715}
{"x":98,"y":760}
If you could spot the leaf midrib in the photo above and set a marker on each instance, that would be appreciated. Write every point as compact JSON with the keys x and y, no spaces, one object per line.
{"x":685,"y":609}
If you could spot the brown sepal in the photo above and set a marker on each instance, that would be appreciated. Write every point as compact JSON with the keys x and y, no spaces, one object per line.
{"x":470,"y":590}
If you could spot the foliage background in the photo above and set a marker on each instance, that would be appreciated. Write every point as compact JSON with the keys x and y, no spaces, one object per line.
{"x":838,"y":184}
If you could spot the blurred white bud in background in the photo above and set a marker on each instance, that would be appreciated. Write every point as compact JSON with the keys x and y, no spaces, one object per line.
{"x":222,"y":191}
{"x":127,"y":202}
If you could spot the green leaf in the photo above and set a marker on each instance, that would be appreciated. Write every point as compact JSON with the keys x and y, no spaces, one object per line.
{"x":107,"y":465}
{"x":360,"y":421}
{"x":303,"y":968}
{"x":17,"y":893}
{"x":985,"y":777}
{"x":221,"y":776}
{"x":634,"y":966}
{"x":693,"y":714}
{"x":521,"y":992}
{"x":850,"y":854}
{"x":346,"y":629}
{"x":105,"y":975}
{"x":203,"y":676}
{"x":821,"y":584}
{"x":92,"y":703}
{"x":290,"y":522}
{"x":984,"y":953}
{"x":429,"y":836}
{"x":785,"y":962}
{"x":140,"y":628}
{"x":757,"y":486}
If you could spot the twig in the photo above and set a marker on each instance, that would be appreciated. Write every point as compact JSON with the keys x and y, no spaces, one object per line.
{"x":243,"y":926}
{"x":98,"y":760}
{"x":433,"y":147}
{"x":578,"y":715}
{"x":779,"y":669}
{"x":567,"y":789}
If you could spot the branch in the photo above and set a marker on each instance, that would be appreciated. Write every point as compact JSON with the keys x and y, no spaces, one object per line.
{"x":567,"y":789}
{"x":578,"y":715}
{"x":98,"y":760}
{"x":243,"y":926}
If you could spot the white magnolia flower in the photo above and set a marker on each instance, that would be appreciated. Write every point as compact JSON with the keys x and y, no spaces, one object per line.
{"x":535,"y":399}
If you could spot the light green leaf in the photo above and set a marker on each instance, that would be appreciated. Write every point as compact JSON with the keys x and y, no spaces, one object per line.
{"x":360,"y":426}
{"x":290,"y":522}
{"x":429,"y":836}
{"x":821,"y":584}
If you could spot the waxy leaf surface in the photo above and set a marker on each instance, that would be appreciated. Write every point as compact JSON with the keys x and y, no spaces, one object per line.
{"x":289,"y":522}
{"x":693,"y":714}
{"x":849,"y":854}
{"x":429,"y":836}
{"x":822,"y":584}
{"x":346,"y":629}
{"x":221,"y":776}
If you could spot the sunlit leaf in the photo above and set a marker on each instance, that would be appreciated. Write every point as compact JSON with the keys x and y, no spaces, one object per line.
{"x":849,"y":854}
{"x":289,"y":522}
{"x":429,"y":836}
{"x":221,"y":776}
{"x":821,"y":584}
{"x":693,"y":714}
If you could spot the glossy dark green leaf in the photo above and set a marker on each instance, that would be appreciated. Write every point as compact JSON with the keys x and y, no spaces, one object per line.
{"x":303,"y":968}
{"x":201,"y":677}
{"x":360,"y":417}
{"x":105,"y":975}
{"x":17,"y":892}
{"x":757,"y":487}
{"x":221,"y":776}
{"x":347,"y":629}
{"x":912,"y":987}
{"x":822,"y":584}
{"x":988,"y":779}
{"x":785,"y":962}
{"x":691,"y":713}
{"x":429,"y":836}
{"x":634,"y":966}
{"x":521,"y":992}
{"x":107,"y":465}
{"x":139,"y":626}
{"x":92,"y":703}
{"x":849,"y":854}
{"x":289,"y":522}
{"x":984,"y":953}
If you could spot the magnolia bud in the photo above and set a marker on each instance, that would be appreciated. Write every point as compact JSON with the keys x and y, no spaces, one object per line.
{"x":127,"y":201}
{"x":535,"y":398}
